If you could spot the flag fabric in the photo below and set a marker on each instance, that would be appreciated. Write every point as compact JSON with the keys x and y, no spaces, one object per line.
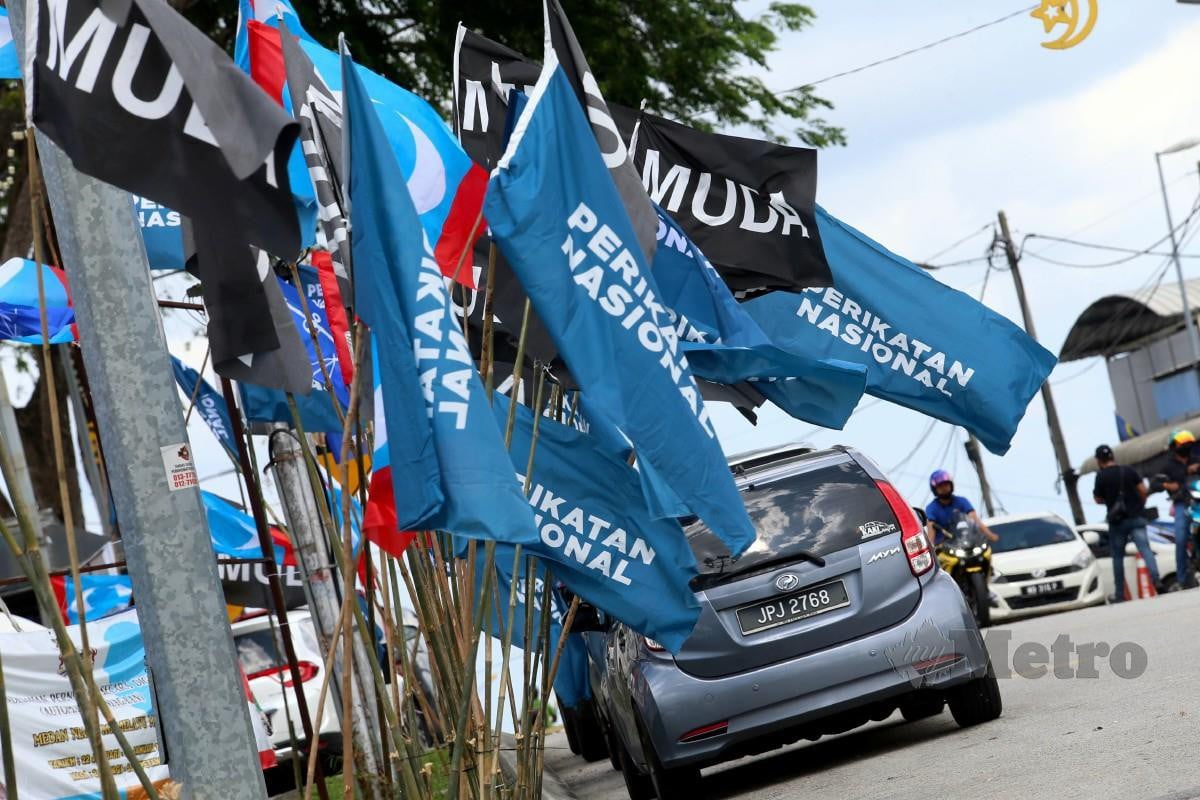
{"x":318,"y":110}
{"x":335,"y":312}
{"x":10,"y":62}
{"x":102,"y":595}
{"x":1125,"y":431}
{"x":560,"y":222}
{"x":322,"y":355}
{"x":597,"y":533}
{"x":445,"y":185}
{"x":20,"y":306}
{"x":234,"y":532}
{"x":725,"y":345}
{"x":210,"y":404}
{"x":926,"y":346}
{"x":447,"y":466}
{"x":560,"y":40}
{"x":263,"y":405}
{"x":162,"y":233}
{"x":252,"y":333}
{"x":748,"y":204}
{"x":570,"y":683}
{"x":204,"y":141}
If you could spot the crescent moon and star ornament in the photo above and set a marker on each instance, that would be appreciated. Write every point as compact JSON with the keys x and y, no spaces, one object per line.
{"x":1053,"y":13}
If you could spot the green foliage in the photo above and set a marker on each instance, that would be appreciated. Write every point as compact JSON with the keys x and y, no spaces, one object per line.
{"x":689,"y":59}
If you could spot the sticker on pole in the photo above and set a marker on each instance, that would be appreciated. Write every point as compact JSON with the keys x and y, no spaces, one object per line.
{"x":177,"y":463}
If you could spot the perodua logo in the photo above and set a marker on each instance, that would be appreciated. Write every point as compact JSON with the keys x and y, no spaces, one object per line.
{"x":786,"y":582}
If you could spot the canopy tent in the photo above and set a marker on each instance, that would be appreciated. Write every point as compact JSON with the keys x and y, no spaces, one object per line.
{"x":1122,"y":322}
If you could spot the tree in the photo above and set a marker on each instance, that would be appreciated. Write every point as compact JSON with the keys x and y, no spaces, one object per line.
{"x":687,"y":58}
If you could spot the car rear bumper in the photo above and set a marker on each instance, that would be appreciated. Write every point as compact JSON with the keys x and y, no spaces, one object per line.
{"x":1080,"y":589}
{"x":936,"y":647}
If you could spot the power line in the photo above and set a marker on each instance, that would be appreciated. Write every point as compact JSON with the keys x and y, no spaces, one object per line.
{"x":1078,"y":374}
{"x":1096,"y":246}
{"x":963,"y":240}
{"x":898,"y":56}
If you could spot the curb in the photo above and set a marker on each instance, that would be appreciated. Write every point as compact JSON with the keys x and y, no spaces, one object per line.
{"x":553,"y":787}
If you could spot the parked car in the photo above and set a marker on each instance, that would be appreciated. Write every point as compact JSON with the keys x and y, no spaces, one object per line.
{"x":1040,"y":565}
{"x":1096,"y":536}
{"x":261,"y":654}
{"x":837,"y":615}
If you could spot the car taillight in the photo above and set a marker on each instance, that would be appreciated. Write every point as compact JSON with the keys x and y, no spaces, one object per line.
{"x":705,"y":732}
{"x":916,"y":544}
{"x":307,"y":670}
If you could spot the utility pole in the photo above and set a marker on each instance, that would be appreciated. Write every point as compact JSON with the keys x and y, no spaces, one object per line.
{"x":321,"y":581}
{"x":976,"y":458}
{"x":168,"y":549}
{"x":1069,"y":478}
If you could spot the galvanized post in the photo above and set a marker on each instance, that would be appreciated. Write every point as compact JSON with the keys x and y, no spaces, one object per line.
{"x":168,"y":549}
{"x":321,"y":579}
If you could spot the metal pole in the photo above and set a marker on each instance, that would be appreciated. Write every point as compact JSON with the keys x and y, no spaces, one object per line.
{"x":168,"y":548}
{"x":88,"y":437}
{"x":1069,"y":477}
{"x":272,"y":572}
{"x":321,"y":578}
{"x":1188,"y":321}
{"x":976,"y":458}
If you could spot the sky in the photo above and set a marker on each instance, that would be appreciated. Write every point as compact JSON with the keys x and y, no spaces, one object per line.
{"x":939,"y":141}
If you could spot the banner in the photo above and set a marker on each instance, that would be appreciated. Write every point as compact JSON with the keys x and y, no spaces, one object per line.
{"x":53,"y":756}
{"x":597,"y":533}
{"x":746,"y":203}
{"x":560,"y":222}
{"x":206,"y":141}
{"x":210,"y":404}
{"x":926,"y":346}
{"x":162,"y":233}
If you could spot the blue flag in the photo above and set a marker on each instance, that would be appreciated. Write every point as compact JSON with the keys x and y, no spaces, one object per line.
{"x":570,"y":682}
{"x":20,"y":303}
{"x":448,"y":465}
{"x":560,"y":223}
{"x":10,"y":64}
{"x":102,"y":595}
{"x":162,"y":232}
{"x":597,"y":531}
{"x":326,"y":361}
{"x":926,"y":346}
{"x":260,"y":404}
{"x":210,"y":404}
{"x":725,"y":345}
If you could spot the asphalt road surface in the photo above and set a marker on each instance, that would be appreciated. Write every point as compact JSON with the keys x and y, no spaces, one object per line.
{"x":1060,"y":737}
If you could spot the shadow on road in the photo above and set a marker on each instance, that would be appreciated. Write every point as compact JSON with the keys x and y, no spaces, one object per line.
{"x":798,"y":760}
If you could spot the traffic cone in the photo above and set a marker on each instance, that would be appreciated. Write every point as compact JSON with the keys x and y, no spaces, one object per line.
{"x":1128,"y":596}
{"x":1145,"y":585}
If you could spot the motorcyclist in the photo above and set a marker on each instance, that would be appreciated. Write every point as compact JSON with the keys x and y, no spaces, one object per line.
{"x":942,"y":512}
{"x":1176,"y":476}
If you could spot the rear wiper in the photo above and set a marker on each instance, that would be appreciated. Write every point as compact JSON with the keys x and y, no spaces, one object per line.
{"x":713,"y":578}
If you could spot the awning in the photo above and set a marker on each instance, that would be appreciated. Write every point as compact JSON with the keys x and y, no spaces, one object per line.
{"x":1146,"y":453}
{"x":1119,"y":323}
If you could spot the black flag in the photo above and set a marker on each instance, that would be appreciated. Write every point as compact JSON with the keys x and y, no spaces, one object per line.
{"x":144,"y":101}
{"x":562,"y":42}
{"x":747,"y":204}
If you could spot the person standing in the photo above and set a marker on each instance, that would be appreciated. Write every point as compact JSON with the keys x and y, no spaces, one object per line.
{"x":1123,"y":493}
{"x":1176,"y":478}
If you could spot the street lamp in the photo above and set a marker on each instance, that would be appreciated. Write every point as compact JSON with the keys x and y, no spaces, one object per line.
{"x":1188,"y":321}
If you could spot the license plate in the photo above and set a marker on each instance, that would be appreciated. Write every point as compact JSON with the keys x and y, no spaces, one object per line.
{"x":792,"y":607}
{"x":1042,"y":588}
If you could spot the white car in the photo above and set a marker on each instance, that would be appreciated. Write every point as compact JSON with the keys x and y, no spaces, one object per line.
{"x":1040,"y":565}
{"x":1096,"y":536}
{"x":262,"y":657}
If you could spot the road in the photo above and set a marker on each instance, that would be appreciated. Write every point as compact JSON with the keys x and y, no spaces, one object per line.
{"x":1069,"y":737}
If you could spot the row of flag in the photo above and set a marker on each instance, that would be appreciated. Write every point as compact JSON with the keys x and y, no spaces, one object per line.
{"x":663,"y":265}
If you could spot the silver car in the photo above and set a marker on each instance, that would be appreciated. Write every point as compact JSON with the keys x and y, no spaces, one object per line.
{"x":837,"y":615}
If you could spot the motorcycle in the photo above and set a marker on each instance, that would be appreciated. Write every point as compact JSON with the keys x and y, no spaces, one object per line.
{"x":966,"y":555}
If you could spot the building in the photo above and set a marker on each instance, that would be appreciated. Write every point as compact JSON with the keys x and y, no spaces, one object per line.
{"x":1151,"y":369}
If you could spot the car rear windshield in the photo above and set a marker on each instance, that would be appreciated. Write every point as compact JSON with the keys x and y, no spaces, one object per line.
{"x":257,"y":651}
{"x":820,"y":511}
{"x":1026,"y":533}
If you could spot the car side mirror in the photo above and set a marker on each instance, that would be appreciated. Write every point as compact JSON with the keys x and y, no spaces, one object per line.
{"x":920,"y":512}
{"x":1091,"y":538}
